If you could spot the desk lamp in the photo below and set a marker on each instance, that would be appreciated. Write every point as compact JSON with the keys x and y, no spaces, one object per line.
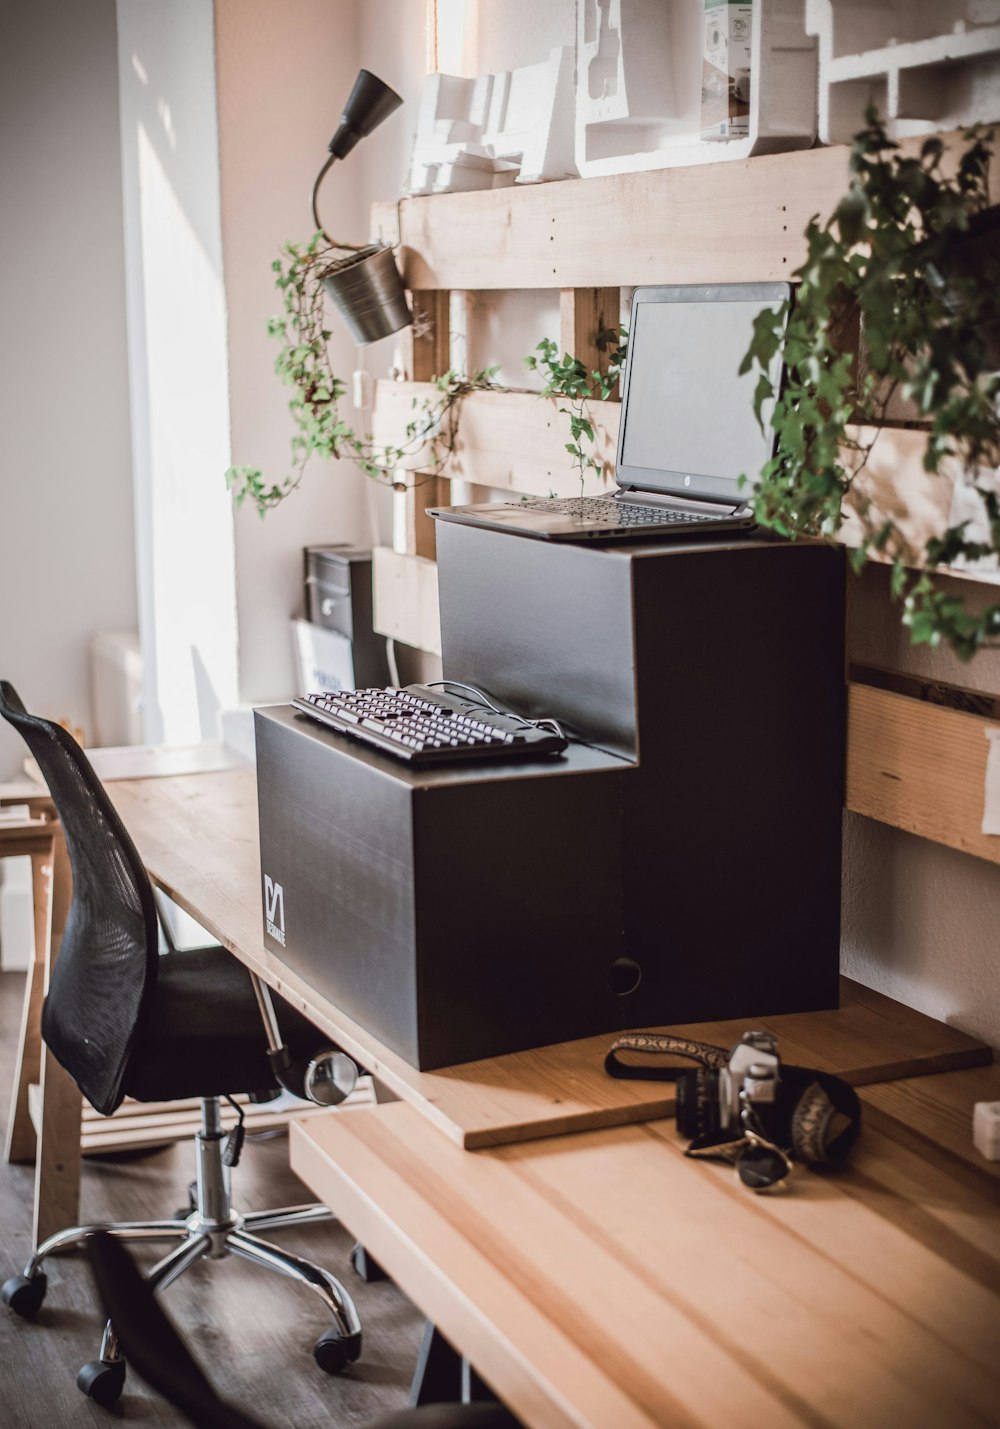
{"x":365,"y":286}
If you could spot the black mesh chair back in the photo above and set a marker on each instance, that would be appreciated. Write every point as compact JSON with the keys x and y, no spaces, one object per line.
{"x":106,"y":969}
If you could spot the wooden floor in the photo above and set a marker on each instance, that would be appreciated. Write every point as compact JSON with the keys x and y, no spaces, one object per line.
{"x":253,"y":1331}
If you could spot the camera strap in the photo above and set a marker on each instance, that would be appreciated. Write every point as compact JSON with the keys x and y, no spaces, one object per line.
{"x":824,"y":1113}
{"x":660,"y":1043}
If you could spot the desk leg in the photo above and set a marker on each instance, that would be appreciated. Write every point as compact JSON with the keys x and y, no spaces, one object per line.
{"x":57,"y":1165}
{"x":21,"y":1139}
{"x":443,"y":1376}
{"x":438,"y":1375}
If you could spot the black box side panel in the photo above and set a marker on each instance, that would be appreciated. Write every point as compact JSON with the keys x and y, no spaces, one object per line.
{"x":733,"y":829}
{"x":338,"y":840}
{"x":520,"y":913}
{"x":546,"y":628}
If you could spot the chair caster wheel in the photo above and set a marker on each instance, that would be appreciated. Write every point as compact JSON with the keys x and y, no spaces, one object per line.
{"x":364,"y":1266}
{"x":334,"y":1352}
{"x":102,"y":1381}
{"x":25,"y":1296}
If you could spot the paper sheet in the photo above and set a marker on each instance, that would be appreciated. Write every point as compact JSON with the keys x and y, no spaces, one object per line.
{"x":991,"y":785}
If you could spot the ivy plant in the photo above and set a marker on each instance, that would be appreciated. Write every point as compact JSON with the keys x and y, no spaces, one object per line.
{"x":567,"y":377}
{"x":889,"y":265}
{"x":303,"y":363}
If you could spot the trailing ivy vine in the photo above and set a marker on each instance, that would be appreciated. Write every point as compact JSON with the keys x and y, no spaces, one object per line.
{"x":303,"y":363}
{"x":568,"y":377}
{"x":894,"y":264}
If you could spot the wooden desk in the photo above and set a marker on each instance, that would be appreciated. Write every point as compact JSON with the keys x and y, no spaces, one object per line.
{"x":598,"y":1277}
{"x":197,"y":835}
{"x":604,"y":1280}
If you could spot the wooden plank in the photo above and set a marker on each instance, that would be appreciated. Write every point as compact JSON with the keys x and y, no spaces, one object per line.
{"x":584,"y":313}
{"x":198,"y":838}
{"x":897,"y":486}
{"x":426,"y":345}
{"x":57,"y":1164}
{"x":405,"y":595}
{"x":919,"y":767}
{"x":592,"y":1279}
{"x":517,"y":441}
{"x":937,"y":1111}
{"x":413,"y":531}
{"x":426,"y":349}
{"x":514,"y":441}
{"x":21,"y":1141}
{"x":710,"y":223}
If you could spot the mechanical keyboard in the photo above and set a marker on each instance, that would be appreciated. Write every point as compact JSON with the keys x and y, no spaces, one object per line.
{"x":430,"y":726}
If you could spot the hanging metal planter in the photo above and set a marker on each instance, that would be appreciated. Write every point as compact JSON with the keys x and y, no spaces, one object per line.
{"x":366,"y":289}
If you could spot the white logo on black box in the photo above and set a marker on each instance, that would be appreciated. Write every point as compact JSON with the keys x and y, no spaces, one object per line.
{"x":274,"y":910}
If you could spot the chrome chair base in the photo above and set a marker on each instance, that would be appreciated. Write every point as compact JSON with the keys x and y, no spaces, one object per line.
{"x":212,"y":1230}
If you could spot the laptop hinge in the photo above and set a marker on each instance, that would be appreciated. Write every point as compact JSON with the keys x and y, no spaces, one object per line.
{"x":675,"y":503}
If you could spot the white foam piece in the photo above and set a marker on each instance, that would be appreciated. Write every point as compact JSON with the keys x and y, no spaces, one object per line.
{"x":927,"y":66}
{"x":638,"y":94}
{"x":521,"y":121}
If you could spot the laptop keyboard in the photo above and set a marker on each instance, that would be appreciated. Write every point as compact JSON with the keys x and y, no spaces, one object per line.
{"x":425,"y":726}
{"x":619,"y":513}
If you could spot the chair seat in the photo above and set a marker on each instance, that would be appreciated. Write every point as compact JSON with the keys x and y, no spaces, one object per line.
{"x":203,"y":1035}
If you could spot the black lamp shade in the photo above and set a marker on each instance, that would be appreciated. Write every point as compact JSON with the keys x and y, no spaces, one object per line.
{"x":370,"y":102}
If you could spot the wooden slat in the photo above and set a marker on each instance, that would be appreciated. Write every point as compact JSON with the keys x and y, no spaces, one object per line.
{"x":511,"y":440}
{"x":135,"y":1124}
{"x":584,"y":313}
{"x":198,"y":837}
{"x":516,"y":441}
{"x":710,"y":223}
{"x":22,"y":1140}
{"x":919,"y":767}
{"x":936,"y":1112}
{"x":57,"y":1165}
{"x":405,"y":594}
{"x":426,"y":349}
{"x":895,"y":483}
{"x":594,"y":1279}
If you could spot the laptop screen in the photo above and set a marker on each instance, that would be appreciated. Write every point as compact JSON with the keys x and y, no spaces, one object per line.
{"x":688,"y":425}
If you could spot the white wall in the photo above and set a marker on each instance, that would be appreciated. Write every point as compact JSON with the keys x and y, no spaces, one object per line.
{"x":66,"y":542}
{"x":284,"y":72}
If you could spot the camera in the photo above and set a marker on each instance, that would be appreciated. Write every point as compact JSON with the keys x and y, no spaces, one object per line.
{"x":733,"y":1111}
{"x":745,"y":1107}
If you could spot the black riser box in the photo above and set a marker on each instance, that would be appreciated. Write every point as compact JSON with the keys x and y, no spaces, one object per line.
{"x":719,"y":667}
{"x":457,"y":913}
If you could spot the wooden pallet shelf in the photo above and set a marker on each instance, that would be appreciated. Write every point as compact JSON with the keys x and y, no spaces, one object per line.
{"x":711,"y":223}
{"x":912,"y":764}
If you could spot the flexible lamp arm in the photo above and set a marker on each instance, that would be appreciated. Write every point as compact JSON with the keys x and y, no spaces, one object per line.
{"x":315,"y":196}
{"x":370,"y":101}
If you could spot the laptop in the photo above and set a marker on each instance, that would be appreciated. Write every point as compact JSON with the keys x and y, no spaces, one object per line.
{"x":688,"y":430}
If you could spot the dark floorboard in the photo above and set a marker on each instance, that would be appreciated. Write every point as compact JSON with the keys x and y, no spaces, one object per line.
{"x":253,"y":1331}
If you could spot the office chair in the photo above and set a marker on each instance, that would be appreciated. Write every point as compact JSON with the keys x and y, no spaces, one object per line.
{"x":160,"y":1356}
{"x":125,"y":1020}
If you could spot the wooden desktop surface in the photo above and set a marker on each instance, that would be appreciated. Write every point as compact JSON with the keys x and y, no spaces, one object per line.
{"x":197,"y":835}
{"x":602,"y":1279}
{"x":598,"y":1277}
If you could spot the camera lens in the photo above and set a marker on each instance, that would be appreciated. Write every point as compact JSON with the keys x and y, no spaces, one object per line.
{"x":697,"y":1108}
